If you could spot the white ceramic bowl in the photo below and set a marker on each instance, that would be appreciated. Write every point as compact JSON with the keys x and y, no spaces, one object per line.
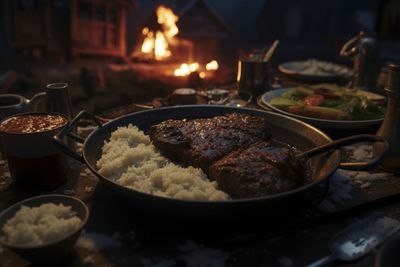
{"x":57,"y":250}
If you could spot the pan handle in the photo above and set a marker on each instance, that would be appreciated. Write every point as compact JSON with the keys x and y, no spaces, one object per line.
{"x":68,"y":132}
{"x":368,"y":165}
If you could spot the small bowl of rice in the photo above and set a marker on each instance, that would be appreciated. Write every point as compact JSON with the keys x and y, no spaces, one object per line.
{"x":43,"y":229}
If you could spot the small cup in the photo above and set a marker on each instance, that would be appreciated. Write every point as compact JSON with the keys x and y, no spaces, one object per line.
{"x":253,"y":77}
{"x":217,"y":96}
{"x":183,"y":96}
{"x":241,"y":99}
{"x":34,"y":161}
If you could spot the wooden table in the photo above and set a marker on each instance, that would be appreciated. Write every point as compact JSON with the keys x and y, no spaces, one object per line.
{"x":118,"y":235}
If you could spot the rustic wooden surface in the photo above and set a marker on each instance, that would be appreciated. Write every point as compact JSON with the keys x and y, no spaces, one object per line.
{"x":118,"y":235}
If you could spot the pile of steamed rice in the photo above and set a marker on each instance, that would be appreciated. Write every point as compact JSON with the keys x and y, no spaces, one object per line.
{"x":40,"y":225}
{"x":130,"y":159}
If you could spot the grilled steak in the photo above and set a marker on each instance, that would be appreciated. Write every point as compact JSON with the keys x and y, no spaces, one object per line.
{"x":200,"y":142}
{"x":259,"y":170}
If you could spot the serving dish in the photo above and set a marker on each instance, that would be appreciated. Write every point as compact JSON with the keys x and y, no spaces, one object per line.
{"x":316,"y":70}
{"x":283,"y":128}
{"x":264,"y":102}
{"x":51,"y":252}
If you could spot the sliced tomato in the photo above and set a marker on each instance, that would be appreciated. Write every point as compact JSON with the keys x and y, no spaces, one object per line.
{"x":326,"y":93}
{"x":313,"y":100}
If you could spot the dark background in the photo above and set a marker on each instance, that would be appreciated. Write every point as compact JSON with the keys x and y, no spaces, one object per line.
{"x":324,"y":24}
{"x":37,"y":41}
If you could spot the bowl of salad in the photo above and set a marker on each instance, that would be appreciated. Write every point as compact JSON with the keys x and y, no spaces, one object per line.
{"x":327,"y":105}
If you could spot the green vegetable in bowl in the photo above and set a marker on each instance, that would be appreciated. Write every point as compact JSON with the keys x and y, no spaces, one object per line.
{"x":361,"y":108}
{"x":283,"y":102}
{"x":297,"y":93}
{"x":328,"y":101}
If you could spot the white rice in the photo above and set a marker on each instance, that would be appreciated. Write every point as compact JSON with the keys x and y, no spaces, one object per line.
{"x":40,"y":225}
{"x":130,"y":159}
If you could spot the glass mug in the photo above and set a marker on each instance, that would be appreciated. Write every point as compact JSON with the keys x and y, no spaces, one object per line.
{"x":253,"y":77}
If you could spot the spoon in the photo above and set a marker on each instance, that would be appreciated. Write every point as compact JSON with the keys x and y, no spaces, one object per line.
{"x":359,"y":238}
{"x":267,"y":56}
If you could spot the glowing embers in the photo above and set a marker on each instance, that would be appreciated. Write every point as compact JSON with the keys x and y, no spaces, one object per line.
{"x":213,"y":65}
{"x":185,"y":69}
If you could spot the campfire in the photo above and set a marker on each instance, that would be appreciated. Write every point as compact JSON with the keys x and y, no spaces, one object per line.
{"x":156,"y":42}
{"x":160,"y":42}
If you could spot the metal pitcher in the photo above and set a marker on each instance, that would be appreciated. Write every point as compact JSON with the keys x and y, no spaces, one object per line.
{"x":390,"y":128}
{"x":11,"y":104}
{"x":364,"y":51}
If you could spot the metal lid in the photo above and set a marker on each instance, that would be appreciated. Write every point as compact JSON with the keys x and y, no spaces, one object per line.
{"x":56,"y":86}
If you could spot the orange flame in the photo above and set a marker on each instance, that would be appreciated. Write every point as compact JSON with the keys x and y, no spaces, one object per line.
{"x":158,"y":43}
{"x":148,"y":43}
{"x":185,"y":69}
{"x":167,"y":18}
{"x":213,"y":65}
{"x":161,"y":49}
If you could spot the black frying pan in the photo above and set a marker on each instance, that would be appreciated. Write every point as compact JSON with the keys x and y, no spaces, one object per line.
{"x":283,"y":128}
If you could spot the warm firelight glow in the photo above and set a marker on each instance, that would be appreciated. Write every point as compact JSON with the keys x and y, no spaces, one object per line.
{"x":148,"y":43}
{"x":185,"y":69}
{"x":193,"y":67}
{"x":161,"y":50}
{"x":145,"y":31}
{"x":158,"y":43}
{"x":213,"y":65}
{"x":167,"y":18}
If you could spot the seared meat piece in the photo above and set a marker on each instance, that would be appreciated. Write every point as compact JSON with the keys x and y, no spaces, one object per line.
{"x":259,"y":170}
{"x":200,"y":142}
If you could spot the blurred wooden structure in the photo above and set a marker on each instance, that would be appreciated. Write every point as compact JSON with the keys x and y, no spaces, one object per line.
{"x":211,"y":36}
{"x":67,"y":28}
{"x":29,"y":25}
{"x":98,"y":27}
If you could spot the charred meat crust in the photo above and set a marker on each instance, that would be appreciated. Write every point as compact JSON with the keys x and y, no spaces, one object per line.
{"x":201,"y":142}
{"x":235,"y":150}
{"x":259,"y":170}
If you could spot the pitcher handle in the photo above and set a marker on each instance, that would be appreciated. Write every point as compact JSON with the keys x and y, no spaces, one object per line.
{"x":372,"y":163}
{"x":68,"y":131}
{"x":34,"y":102}
{"x":349,"y":49}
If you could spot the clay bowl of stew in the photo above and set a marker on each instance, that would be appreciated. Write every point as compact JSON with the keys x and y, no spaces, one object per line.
{"x":33,"y":159}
